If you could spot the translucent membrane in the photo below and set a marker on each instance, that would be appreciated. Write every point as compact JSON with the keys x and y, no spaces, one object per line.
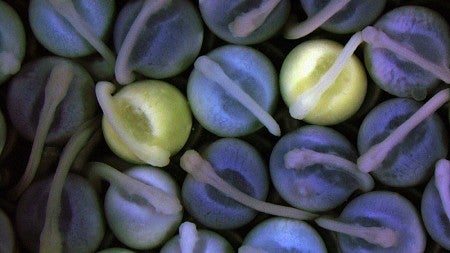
{"x":296,"y":31}
{"x":188,"y":237}
{"x":380,"y":236}
{"x":144,"y":152}
{"x":51,"y":239}
{"x":308,"y":100}
{"x":123,"y":72}
{"x":442,"y":181}
{"x":55,"y":90}
{"x":202,"y":171}
{"x":373,"y":158}
{"x":301,"y":158}
{"x":246,"y":23}
{"x":214,"y":72}
{"x":162,"y":201}
{"x":9,"y":64}
{"x":68,"y":11}
{"x":250,"y":249}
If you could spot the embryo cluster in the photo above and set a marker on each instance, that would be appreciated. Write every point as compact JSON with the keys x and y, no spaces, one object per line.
{"x":224,"y":126}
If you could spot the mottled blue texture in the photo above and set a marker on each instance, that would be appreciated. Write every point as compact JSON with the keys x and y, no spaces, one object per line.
{"x":81,"y":221}
{"x":169,"y":42}
{"x":356,"y":15}
{"x":433,"y":215}
{"x":25,"y":98}
{"x":284,"y":235}
{"x":240,"y":165}
{"x":56,"y":34}
{"x":412,"y":161}
{"x":420,"y":29}
{"x":218,"y":14}
{"x":383,"y":209}
{"x":220,"y":113}
{"x":317,"y":187}
{"x":134,"y":221}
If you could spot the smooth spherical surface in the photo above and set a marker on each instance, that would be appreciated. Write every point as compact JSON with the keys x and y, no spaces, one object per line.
{"x":306,"y":64}
{"x":356,"y":15}
{"x":316,"y":187}
{"x":417,"y":28}
{"x":12,"y":41}
{"x":383,"y":209}
{"x":115,"y":250}
{"x":221,"y":113}
{"x":240,"y":165}
{"x":207,"y":241}
{"x":218,"y":15}
{"x":56,"y":33}
{"x":155,"y":114}
{"x":134,"y":221}
{"x":81,"y":221}
{"x":166,"y":44}
{"x":284,"y":235}
{"x":26,"y":95}
{"x":434,"y":217}
{"x":411,"y":162}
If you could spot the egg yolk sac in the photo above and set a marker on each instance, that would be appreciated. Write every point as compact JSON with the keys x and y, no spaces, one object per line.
{"x":279,"y":234}
{"x":420,"y":30}
{"x":245,"y":22}
{"x":233,"y":90}
{"x":339,"y":17}
{"x":434,"y":204}
{"x":396,"y":137}
{"x":377,"y":221}
{"x":313,"y":168}
{"x":318,"y":90}
{"x":145,"y":122}
{"x":80,"y":222}
{"x":190,"y":240}
{"x":157,"y":39}
{"x":12,"y":42}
